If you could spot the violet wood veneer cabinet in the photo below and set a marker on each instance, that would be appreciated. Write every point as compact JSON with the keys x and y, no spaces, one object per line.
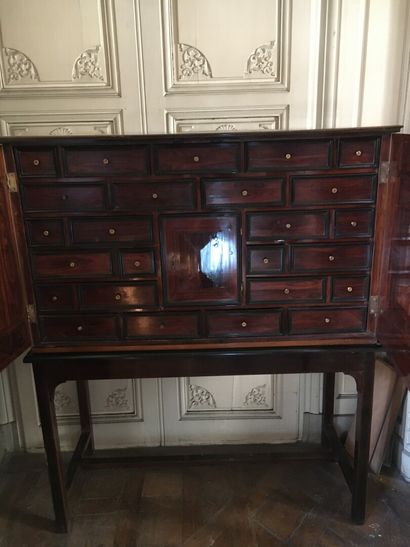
{"x":227,"y":243}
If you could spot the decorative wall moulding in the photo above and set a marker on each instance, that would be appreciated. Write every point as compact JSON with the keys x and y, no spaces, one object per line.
{"x":189,"y":67}
{"x":227,"y":120}
{"x":94,"y":72}
{"x":106,"y":122}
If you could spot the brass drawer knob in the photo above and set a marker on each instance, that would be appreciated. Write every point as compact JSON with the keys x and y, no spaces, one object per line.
{"x":266,"y":260}
{"x":358,"y":153}
{"x":79,"y":328}
{"x":72,"y":264}
{"x":353,"y":223}
{"x":334,"y":190}
{"x":36,"y":162}
{"x":286,"y":291}
{"x":54,"y":298}
{"x":117,"y":297}
{"x":288,"y":156}
{"x":327,"y":320}
{"x":137,"y":263}
{"x":288,"y":226}
{"x":46,"y":233}
{"x":244,"y":324}
{"x":196,"y":159}
{"x":106,"y":161}
{"x":111,"y":231}
{"x":331,"y":258}
{"x":349,"y":289}
{"x":64,"y":197}
{"x":154,"y":196}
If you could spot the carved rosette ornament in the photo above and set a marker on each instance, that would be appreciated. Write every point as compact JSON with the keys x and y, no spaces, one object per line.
{"x":261,"y":60}
{"x":117,"y":399}
{"x":200,"y":397}
{"x":193,"y":62}
{"x":19,"y":66}
{"x":256,"y":396}
{"x":87,"y":65}
{"x":61,"y":400}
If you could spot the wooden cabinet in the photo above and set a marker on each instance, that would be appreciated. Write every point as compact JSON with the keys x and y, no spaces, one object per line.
{"x":192,"y":241}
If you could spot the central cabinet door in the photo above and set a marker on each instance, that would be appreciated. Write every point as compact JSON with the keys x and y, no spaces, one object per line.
{"x":200,"y":259}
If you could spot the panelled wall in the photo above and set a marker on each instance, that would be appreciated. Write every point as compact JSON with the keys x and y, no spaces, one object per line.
{"x":155,"y":66}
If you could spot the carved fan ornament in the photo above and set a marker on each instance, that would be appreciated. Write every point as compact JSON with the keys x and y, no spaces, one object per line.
{"x":200,"y":396}
{"x":193,"y":62}
{"x":86,"y":64}
{"x":19,"y":66}
{"x":61,"y":131}
{"x":261,"y":60}
{"x":226,"y":127}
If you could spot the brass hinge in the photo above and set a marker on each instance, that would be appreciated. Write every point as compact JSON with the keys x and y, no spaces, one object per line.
{"x":11,"y":182}
{"x":388,"y":169}
{"x":374,"y":305}
{"x":31,"y":313}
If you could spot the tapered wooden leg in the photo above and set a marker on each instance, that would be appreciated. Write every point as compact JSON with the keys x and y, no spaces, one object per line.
{"x":85,"y":412}
{"x":365,"y":381}
{"x":45,"y":399}
{"x":328,"y":403}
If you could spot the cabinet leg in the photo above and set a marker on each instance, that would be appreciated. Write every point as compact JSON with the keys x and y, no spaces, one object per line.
{"x":364,"y":381}
{"x":85,"y":412}
{"x":45,"y":399}
{"x":328,"y":403}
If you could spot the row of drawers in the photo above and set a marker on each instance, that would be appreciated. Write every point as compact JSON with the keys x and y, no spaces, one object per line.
{"x":239,"y":324}
{"x":176,"y":195}
{"x":264,"y":260}
{"x":218,"y":157}
{"x":64,"y":297}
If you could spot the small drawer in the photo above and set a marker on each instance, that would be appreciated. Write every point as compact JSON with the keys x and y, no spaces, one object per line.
{"x":244,"y":323}
{"x":274,"y":226}
{"x":288,"y":154}
{"x":142,"y":295}
{"x":138,"y":263}
{"x":72,"y":264}
{"x":265,"y":260}
{"x":77,"y":328}
{"x":327,"y":320}
{"x":286,"y":290}
{"x":350,"y":288}
{"x":155,"y":195}
{"x":36,"y":162}
{"x":112,"y":230}
{"x":247,"y":193}
{"x":358,"y":152}
{"x":336,"y":189}
{"x":64,"y":198}
{"x":203,"y":158}
{"x":55,"y":297}
{"x":355,"y":223}
{"x":101,"y":160}
{"x":164,"y":325}
{"x":45,"y":232}
{"x":330,"y":258}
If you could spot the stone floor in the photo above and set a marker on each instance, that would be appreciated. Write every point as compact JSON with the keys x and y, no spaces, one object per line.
{"x":297,"y":503}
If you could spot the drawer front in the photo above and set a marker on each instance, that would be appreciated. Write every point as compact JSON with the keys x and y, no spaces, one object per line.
{"x":354,"y":223}
{"x":350,"y":288}
{"x":326,"y":321}
{"x":286,"y":290}
{"x":288,"y":155}
{"x":265,"y":260}
{"x":358,"y":152}
{"x":136,"y":295}
{"x":138,"y":263}
{"x":124,"y":160}
{"x":112,"y":230}
{"x":77,"y":328}
{"x":336,"y":189}
{"x":155,"y":195}
{"x":330,"y":257}
{"x":45,"y":232}
{"x":246,"y":193}
{"x":204,"y":158}
{"x":164,"y":325}
{"x":55,"y":297}
{"x":243,"y":324}
{"x":64,"y":198}
{"x":271,"y":226}
{"x":72,"y":264}
{"x":36,"y":162}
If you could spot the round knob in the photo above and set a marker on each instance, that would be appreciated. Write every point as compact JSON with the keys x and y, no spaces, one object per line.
{"x":54,"y":298}
{"x":106,"y":161}
{"x":137,"y":263}
{"x":353,"y":223}
{"x":244,"y":192}
{"x":266,"y":260}
{"x":117,"y":297}
{"x":36,"y":162}
{"x":162,"y":326}
{"x":349,"y":289}
{"x":196,"y":159}
{"x":288,"y":156}
{"x":111,"y":231}
{"x":46,"y":233}
{"x":331,"y":258}
{"x":334,"y":190}
{"x":358,"y":153}
{"x":288,"y":226}
{"x":327,"y":320}
{"x":154,"y":196}
{"x":64,"y":197}
{"x":244,"y":324}
{"x":79,"y":328}
{"x":286,"y":291}
{"x":72,"y":264}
